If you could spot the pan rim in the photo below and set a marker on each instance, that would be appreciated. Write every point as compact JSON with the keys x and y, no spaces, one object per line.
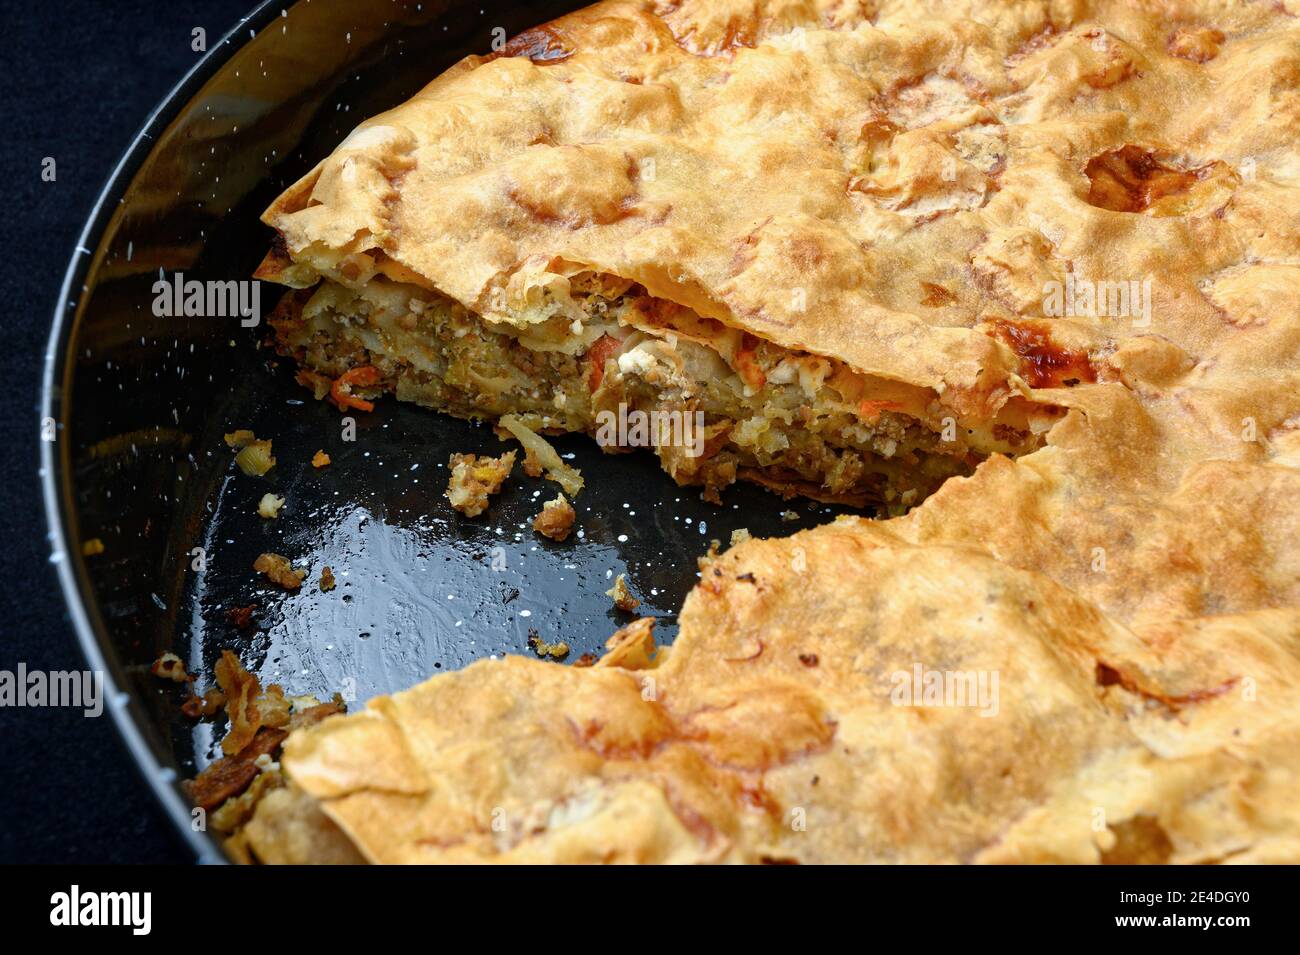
{"x":55,"y":469}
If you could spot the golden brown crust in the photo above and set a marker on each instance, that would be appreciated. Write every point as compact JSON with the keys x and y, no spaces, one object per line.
{"x":921,"y":172}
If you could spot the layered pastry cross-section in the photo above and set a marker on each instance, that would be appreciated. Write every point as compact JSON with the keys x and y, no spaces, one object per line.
{"x":570,"y":241}
{"x":600,"y":355}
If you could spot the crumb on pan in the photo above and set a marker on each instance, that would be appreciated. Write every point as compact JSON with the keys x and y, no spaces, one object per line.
{"x":92,"y":548}
{"x":274,"y":706}
{"x":234,"y":773}
{"x":206,"y":705}
{"x":474,"y":477}
{"x":556,"y":519}
{"x":320,"y":459}
{"x":739,"y":536}
{"x":235,"y":786}
{"x":278,"y":570}
{"x":789,"y":516}
{"x":248,"y":706}
{"x":621,"y":596}
{"x":565,"y":475}
{"x":326,"y":579}
{"x":555,"y":651}
{"x":260,"y":720}
{"x":254,"y":456}
{"x":169,"y":666}
{"x":266,"y":764}
{"x":269,"y":506}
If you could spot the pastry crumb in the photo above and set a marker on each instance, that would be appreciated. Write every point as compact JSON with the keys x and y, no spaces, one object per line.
{"x":254,"y":457}
{"x":92,"y":548}
{"x":556,"y":519}
{"x":555,"y":651}
{"x":789,"y":516}
{"x":474,"y":477}
{"x":206,"y":705}
{"x":169,"y":667}
{"x":278,"y":570}
{"x":621,"y":596}
{"x":320,"y":459}
{"x":249,"y":706}
{"x":739,"y":536}
{"x":269,"y":506}
{"x":326,"y":579}
{"x":565,"y":475}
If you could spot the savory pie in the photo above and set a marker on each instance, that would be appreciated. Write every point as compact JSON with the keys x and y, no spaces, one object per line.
{"x":554,"y":233}
{"x":1024,"y":274}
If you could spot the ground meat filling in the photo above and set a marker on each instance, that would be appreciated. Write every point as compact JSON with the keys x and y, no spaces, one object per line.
{"x":757,"y":412}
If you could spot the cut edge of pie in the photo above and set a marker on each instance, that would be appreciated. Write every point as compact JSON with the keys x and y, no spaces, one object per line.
{"x":890,"y":189}
{"x":596,"y":351}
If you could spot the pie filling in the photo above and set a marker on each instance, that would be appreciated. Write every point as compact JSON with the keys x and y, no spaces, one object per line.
{"x":597,"y":354}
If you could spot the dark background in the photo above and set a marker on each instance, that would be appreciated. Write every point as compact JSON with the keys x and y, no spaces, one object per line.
{"x":79,"y":78}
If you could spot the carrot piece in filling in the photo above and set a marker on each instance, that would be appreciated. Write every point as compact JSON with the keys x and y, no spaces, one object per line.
{"x":341,"y":391}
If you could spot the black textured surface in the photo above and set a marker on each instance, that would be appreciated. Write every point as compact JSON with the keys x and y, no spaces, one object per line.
{"x":79,"y":78}
{"x":420,"y":588}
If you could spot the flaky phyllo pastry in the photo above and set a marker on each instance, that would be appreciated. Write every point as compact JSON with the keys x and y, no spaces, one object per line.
{"x":1025,"y":275}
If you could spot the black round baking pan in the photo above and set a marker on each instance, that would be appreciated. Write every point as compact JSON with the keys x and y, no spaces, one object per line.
{"x":136,"y":402}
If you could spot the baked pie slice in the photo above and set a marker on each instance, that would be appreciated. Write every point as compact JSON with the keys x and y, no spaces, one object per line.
{"x":1053,"y":247}
{"x":552,"y":234}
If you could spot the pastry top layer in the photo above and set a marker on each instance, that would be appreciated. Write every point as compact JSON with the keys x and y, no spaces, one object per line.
{"x":882,"y":183}
{"x":930,"y":176}
{"x":779,"y":729}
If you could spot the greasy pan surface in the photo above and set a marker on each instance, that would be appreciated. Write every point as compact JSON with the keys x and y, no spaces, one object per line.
{"x":141,"y":402}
